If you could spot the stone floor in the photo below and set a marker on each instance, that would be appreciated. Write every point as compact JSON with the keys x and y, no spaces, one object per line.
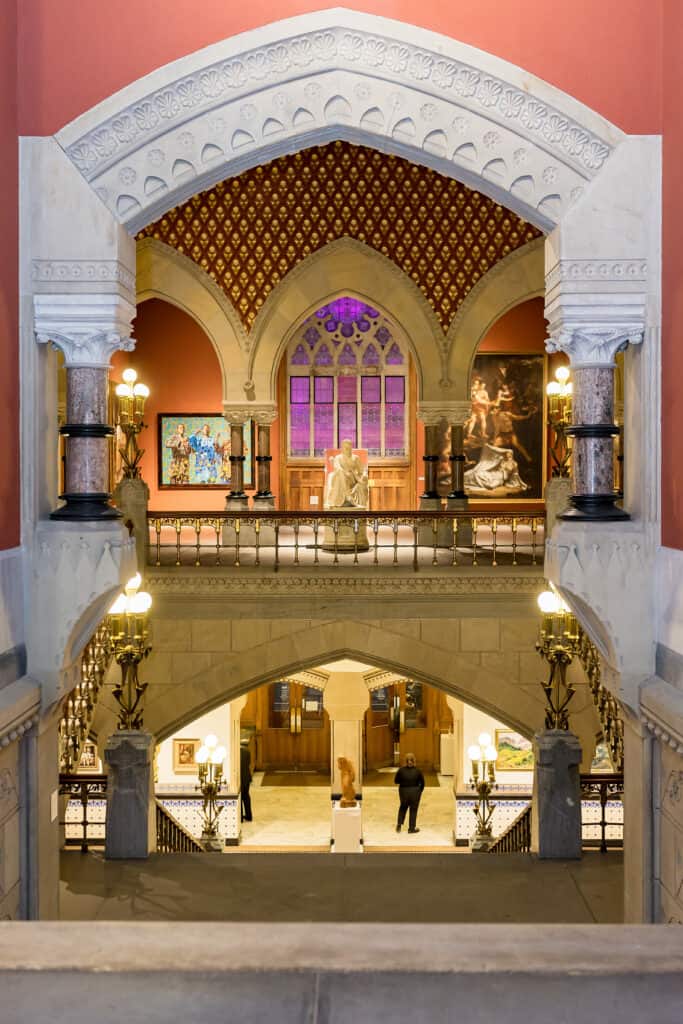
{"x":382,"y":887}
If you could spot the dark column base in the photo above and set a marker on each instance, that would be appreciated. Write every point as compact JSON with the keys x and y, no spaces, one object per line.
{"x":264,"y":494}
{"x":457,"y":495}
{"x":595,"y":508}
{"x":85,"y":506}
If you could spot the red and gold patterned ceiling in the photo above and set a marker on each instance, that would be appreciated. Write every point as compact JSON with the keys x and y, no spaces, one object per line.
{"x":248,"y":232}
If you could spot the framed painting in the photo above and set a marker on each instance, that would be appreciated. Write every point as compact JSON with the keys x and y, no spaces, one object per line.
{"x":89,"y":761}
{"x":602,"y":762}
{"x":515,"y":753}
{"x":194,"y":451}
{"x":184,"y":754}
{"x":504,"y":435}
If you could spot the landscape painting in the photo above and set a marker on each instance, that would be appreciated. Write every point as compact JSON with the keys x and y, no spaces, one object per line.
{"x":515,"y":753}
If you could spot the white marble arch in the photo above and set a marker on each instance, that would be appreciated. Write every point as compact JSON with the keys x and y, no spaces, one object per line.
{"x":164,"y":273}
{"x":345,"y":266}
{"x":513,"y":280}
{"x":339,"y":74}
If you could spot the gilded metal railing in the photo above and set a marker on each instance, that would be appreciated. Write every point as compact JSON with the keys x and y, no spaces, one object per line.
{"x":343,"y":539}
{"x":517,"y":836}
{"x":172,"y":837}
{"x":607,"y":705}
{"x":79,"y":705}
{"x":84,"y":788}
{"x":605,"y":787}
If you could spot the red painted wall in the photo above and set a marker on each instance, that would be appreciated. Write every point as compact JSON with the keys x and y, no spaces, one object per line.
{"x":521,"y":329}
{"x":604,"y":52}
{"x":176,"y":360}
{"x":672,"y":311}
{"x":9,"y":348}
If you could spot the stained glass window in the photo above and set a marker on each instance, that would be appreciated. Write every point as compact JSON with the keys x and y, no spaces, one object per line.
{"x":368,"y":407}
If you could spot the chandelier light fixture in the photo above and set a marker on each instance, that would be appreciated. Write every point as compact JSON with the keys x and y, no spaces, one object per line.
{"x":129,"y":643}
{"x":558,"y":642}
{"x":559,"y":392}
{"x":131,"y":395}
{"x":210,"y":758}
{"x":483,"y":756}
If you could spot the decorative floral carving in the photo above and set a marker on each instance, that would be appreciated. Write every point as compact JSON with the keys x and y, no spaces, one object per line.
{"x":351,"y":47}
{"x":127,"y":175}
{"x":549,"y":175}
{"x":248,"y":112}
{"x":492,"y":139}
{"x":428,"y":111}
{"x":520,"y":157}
{"x":397,"y":58}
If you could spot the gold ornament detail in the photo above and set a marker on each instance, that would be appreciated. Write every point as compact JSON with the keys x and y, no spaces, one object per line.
{"x":247,"y":232}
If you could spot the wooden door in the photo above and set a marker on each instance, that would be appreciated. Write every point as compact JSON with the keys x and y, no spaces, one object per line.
{"x":421,"y":723}
{"x":379,"y":735}
{"x":292,"y":727}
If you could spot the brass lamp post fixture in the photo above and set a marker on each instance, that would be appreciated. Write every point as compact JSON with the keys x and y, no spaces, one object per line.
{"x":558,"y":642}
{"x":128,"y":638}
{"x":559,"y":392}
{"x":210,"y":758}
{"x":130,"y":408}
{"x":483,"y":756}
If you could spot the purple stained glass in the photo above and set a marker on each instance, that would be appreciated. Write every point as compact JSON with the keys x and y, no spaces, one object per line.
{"x":323,"y":389}
{"x":383,"y":335}
{"x":394,"y":429}
{"x":394,"y":389}
{"x":394,"y":356}
{"x":347,"y":330}
{"x":370,"y":389}
{"x":347,"y":389}
{"x":300,"y":357}
{"x":331,"y":326}
{"x":346,"y":414}
{"x":299,"y":430}
{"x":371,"y":428}
{"x":323,"y":356}
{"x":347,"y":357}
{"x":311,"y":335}
{"x":363,"y":325}
{"x":299,"y":390}
{"x":323,"y":428}
{"x":371,"y":356}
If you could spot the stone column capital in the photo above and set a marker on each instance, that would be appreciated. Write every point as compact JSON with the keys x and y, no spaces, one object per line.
{"x":87,"y":329}
{"x":238,"y":413}
{"x":595,"y":346}
{"x":265,"y":415}
{"x":432,"y":413}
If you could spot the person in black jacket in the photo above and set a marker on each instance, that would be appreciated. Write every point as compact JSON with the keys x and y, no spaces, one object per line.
{"x":410,"y":782}
{"x":245,"y":781}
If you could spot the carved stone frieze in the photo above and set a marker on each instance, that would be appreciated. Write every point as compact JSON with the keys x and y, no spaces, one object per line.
{"x":432,"y":413}
{"x":599,"y":271}
{"x":260,"y":413}
{"x":83,"y":272}
{"x":422,"y":95}
{"x":200,"y":583}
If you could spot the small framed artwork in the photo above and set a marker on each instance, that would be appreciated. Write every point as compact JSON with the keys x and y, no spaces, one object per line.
{"x":194,"y":451}
{"x":602,"y":762}
{"x":184,"y":756}
{"x":89,"y":761}
{"x":515,"y":753}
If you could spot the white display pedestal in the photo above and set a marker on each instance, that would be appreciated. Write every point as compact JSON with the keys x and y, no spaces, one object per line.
{"x":347,"y":829}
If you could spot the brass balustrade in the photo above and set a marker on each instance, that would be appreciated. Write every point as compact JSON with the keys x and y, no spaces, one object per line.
{"x":517,"y":836}
{"x":172,"y":837}
{"x":395,"y":539}
{"x":84,"y":788}
{"x":79,"y":705}
{"x":606,"y":703}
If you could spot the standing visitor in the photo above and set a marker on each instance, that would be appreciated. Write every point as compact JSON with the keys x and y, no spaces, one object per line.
{"x":245,"y":781}
{"x":410,"y":782}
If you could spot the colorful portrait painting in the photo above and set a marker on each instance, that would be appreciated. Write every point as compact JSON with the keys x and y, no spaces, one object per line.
{"x":194,"y":451}
{"x":504,"y":432}
{"x":515,"y":753}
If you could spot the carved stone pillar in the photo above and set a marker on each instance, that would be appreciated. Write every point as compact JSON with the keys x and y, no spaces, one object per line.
{"x":556,"y":811}
{"x":591,"y":352}
{"x":264,"y":497}
{"x":87,"y":332}
{"x":436,"y":416}
{"x":131,"y":816}
{"x":237,"y":494}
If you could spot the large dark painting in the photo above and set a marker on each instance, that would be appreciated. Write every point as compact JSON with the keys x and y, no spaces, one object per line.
{"x":505,"y":429}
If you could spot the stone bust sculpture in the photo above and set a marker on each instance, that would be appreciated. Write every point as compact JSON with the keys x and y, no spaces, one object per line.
{"x":347,"y":482}
{"x":348,"y":777}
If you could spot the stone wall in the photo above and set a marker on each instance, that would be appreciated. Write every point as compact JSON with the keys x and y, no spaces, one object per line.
{"x":9,"y":833}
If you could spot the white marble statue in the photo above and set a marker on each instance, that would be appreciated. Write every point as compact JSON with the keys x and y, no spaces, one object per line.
{"x":347,"y":481}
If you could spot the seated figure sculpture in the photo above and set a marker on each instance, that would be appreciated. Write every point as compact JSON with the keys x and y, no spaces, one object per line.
{"x":347,"y":483}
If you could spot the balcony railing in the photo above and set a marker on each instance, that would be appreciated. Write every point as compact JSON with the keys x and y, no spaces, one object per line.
{"x":344,"y":539}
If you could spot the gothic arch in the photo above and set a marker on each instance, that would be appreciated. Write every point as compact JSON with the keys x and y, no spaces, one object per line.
{"x":344,"y":266}
{"x":518,"y":277}
{"x":164,"y":273}
{"x":344,"y":75}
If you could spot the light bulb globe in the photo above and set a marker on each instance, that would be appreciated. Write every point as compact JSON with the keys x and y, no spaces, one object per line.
{"x":123,"y":391}
{"x":211,"y":741}
{"x":491,"y":754}
{"x":484,"y":740}
{"x":474,"y":752}
{"x":129,"y":375}
{"x":548,"y":603}
{"x":562,"y":374}
{"x":119,"y":605}
{"x":141,"y":603}
{"x":133,"y":584}
{"x":141,"y":391}
{"x":202,"y":755}
{"x":553,"y":389}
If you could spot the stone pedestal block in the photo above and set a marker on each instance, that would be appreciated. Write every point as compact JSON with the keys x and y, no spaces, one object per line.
{"x":556,"y":810}
{"x":557,"y":496}
{"x":131,"y":813}
{"x":347,"y":831}
{"x":132,"y":498}
{"x":346,"y":538}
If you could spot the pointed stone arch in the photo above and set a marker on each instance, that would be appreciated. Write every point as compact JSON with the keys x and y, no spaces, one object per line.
{"x":345,"y":75}
{"x":164,"y":273}
{"x":347,"y":267}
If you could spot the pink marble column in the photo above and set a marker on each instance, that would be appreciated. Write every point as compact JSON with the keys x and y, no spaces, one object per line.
{"x":87,"y":436}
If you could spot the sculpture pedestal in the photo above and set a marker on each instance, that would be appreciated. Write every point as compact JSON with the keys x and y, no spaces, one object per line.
{"x":347,"y":540}
{"x":131,"y":496}
{"x":556,"y":807}
{"x":481,"y":844}
{"x":557,"y":497}
{"x":347,"y":829}
{"x":131,"y":812}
